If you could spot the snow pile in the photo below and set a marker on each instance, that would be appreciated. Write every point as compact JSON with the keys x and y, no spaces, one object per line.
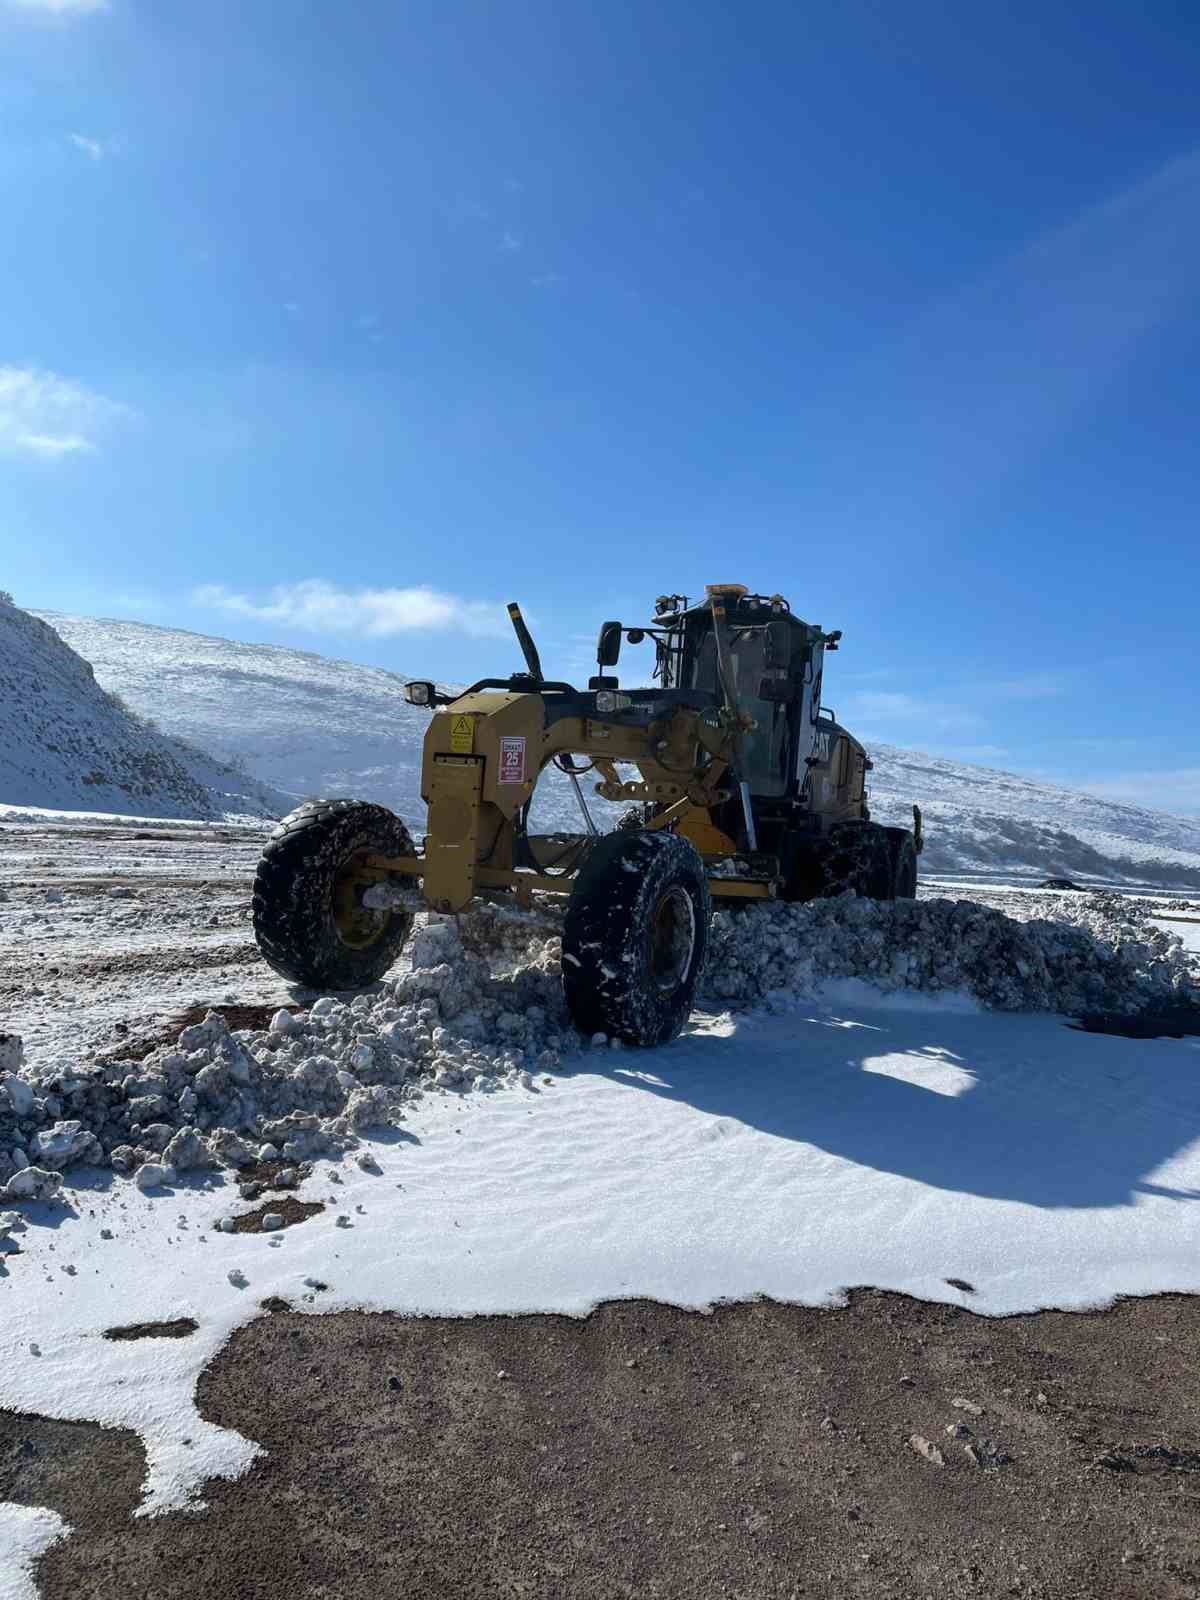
{"x":1099,"y":953}
{"x":482,"y":1007}
{"x":65,"y":742}
{"x":310,"y":1083}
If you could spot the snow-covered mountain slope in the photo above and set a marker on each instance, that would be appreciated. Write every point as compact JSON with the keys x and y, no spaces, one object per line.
{"x":307,"y":723}
{"x":66,"y":742}
{"x":978,"y":820}
{"x":312,"y":725}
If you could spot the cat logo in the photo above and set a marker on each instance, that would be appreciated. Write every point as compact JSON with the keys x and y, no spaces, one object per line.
{"x":823,"y":745}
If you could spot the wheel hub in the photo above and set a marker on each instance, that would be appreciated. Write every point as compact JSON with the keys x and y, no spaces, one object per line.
{"x":358,"y":926}
{"x":672,"y":938}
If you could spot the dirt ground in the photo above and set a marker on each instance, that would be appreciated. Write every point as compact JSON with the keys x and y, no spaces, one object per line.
{"x":890,"y":1448}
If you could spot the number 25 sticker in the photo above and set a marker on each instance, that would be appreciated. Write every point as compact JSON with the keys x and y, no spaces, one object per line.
{"x":512,"y":759}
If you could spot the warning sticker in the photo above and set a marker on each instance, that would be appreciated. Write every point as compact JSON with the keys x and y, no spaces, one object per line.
{"x":462,"y":735}
{"x":512,"y":759}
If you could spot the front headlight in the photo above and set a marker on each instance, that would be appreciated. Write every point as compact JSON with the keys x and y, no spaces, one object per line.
{"x":419,"y":692}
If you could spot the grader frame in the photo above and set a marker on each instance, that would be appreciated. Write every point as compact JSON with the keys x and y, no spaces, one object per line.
{"x":483,"y":756}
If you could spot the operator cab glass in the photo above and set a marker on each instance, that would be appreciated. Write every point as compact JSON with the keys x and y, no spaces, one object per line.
{"x":764,"y":747}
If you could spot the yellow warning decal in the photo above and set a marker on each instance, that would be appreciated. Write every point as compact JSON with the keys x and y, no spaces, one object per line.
{"x":462,"y":735}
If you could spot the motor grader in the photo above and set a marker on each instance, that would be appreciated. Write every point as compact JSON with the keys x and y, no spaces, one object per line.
{"x":739,"y":787}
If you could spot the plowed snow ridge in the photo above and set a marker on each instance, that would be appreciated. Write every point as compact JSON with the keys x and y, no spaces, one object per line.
{"x":482,"y":1008}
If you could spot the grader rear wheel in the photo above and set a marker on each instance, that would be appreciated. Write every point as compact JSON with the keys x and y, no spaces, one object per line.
{"x":309,"y":918}
{"x":903,"y":858}
{"x":635,"y":937}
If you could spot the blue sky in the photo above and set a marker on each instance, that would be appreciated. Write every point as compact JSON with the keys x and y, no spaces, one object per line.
{"x":341,"y":325}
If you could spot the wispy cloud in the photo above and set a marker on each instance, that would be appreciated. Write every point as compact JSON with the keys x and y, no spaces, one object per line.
{"x":957,"y":706}
{"x":94,"y":149}
{"x":315,"y":606}
{"x":1048,"y":685}
{"x":510,"y":241}
{"x":951,"y":412}
{"x":56,"y":8}
{"x":44,"y":415}
{"x":548,"y":280}
{"x":1167,"y":789}
{"x":878,"y":708}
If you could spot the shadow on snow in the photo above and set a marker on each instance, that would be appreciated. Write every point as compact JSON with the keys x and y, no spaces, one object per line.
{"x":1007,"y":1106}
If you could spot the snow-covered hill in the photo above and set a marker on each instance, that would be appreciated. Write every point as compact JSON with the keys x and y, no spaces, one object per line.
{"x":979,"y":820}
{"x":312,"y":725}
{"x":303,"y":722}
{"x":66,"y":742}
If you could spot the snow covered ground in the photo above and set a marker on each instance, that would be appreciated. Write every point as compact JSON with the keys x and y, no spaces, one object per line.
{"x":311,"y":725}
{"x":841,"y":1136}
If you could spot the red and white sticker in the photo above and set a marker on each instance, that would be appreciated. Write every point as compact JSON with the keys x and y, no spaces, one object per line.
{"x":512,"y":759}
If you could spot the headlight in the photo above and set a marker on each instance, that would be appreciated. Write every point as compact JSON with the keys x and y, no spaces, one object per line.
{"x":608,"y":700}
{"x":419,"y":693}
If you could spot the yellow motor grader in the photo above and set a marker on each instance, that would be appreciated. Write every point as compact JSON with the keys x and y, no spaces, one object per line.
{"x":745,"y":789}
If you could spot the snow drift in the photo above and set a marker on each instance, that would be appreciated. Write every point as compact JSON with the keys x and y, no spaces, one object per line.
{"x":67,"y":743}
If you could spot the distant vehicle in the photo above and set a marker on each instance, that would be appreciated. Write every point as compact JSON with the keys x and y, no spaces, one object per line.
{"x":1061,"y":883}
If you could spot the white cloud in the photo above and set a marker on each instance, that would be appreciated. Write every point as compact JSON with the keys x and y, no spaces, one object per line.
{"x":1031,"y":686}
{"x":57,"y":8}
{"x":320,"y":607}
{"x":1169,"y":789}
{"x":510,"y":241}
{"x":94,"y":148}
{"x":877,"y":707}
{"x":44,"y":415}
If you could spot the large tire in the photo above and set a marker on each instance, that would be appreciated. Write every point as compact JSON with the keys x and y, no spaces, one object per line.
{"x":635,"y":937}
{"x":851,"y":856}
{"x":854,"y":856}
{"x":310,"y":924}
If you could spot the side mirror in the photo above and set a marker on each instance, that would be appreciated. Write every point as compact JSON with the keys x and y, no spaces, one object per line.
{"x":775,"y":685}
{"x":608,"y":647}
{"x":776,"y":681}
{"x":777,"y":646}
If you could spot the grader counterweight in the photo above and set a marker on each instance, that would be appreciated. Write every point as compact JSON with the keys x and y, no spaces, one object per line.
{"x":746,"y":789}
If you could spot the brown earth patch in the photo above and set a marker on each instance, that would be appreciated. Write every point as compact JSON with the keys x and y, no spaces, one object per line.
{"x":91,"y":1475}
{"x":760,"y":1451}
{"x":136,"y":1047}
{"x":286,"y":1206}
{"x":180,"y":1328}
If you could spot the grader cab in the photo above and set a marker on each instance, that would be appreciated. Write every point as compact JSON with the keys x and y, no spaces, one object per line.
{"x":738,"y":786}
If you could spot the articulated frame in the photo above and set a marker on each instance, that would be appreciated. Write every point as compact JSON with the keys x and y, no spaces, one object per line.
{"x":483,"y":756}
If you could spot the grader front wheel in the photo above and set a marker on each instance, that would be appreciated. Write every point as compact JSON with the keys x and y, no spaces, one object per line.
{"x":309,"y":918}
{"x":635,"y":937}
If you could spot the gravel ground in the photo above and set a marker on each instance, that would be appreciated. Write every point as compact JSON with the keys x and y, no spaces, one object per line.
{"x":111,"y":930}
{"x":890,"y":1448}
